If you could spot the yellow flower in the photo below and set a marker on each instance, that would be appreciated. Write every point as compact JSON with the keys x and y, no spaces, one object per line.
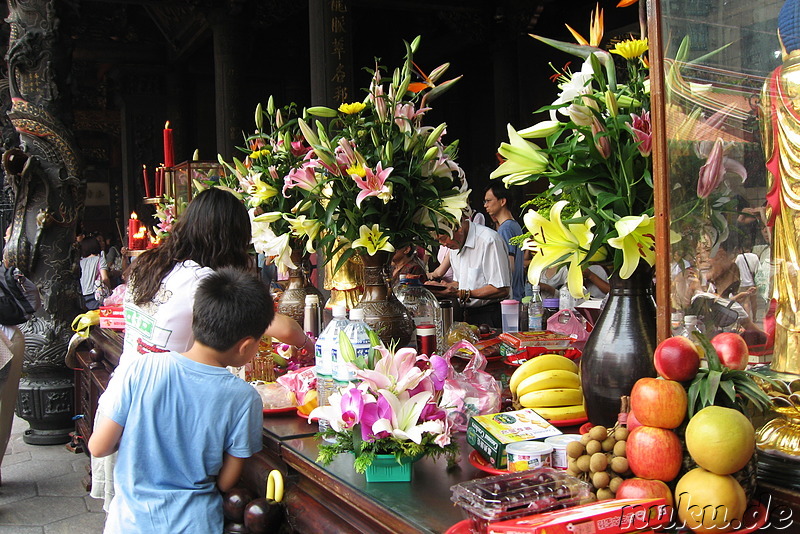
{"x":554,"y":243}
{"x":304,"y":227}
{"x":357,"y":169}
{"x":260,"y":191}
{"x":264,"y":152}
{"x":524,"y":161}
{"x":352,"y":109}
{"x":631,"y":49}
{"x":636,"y":240}
{"x":372,"y":239}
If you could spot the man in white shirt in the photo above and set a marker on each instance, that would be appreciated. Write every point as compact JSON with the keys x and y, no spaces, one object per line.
{"x":481,"y":272}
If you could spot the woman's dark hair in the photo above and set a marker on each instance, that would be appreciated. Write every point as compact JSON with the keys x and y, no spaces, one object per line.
{"x":214,"y":231}
{"x":89,"y":246}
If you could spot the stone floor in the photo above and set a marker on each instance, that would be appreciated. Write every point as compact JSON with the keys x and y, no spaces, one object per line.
{"x":42,"y":492}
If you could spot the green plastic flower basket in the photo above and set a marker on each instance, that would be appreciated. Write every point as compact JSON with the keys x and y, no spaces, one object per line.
{"x":386,"y":469}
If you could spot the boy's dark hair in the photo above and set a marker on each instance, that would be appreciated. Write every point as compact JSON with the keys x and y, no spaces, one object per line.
{"x":229,"y":305}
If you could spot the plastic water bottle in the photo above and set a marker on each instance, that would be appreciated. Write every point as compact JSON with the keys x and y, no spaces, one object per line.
{"x":676,"y":323}
{"x":357,"y":331}
{"x":565,"y":299}
{"x":690,"y":324}
{"x":535,"y":311}
{"x":418,"y":300}
{"x":325,"y":358}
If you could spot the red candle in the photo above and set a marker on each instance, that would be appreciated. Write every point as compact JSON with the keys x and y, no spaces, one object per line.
{"x":169,"y":152}
{"x":146,"y":181}
{"x":133,"y":227}
{"x":159,"y":181}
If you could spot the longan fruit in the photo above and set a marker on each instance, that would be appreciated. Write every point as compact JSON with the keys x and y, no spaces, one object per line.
{"x":582,"y":463}
{"x":620,"y":448}
{"x":598,"y":432}
{"x":619,"y":464}
{"x":608,"y":443}
{"x":600,"y":480}
{"x":575,"y":449}
{"x":615,"y":483}
{"x":593,"y":446}
{"x":598,"y":462}
{"x":621,"y":433}
{"x":604,"y":494}
{"x":585,"y":438}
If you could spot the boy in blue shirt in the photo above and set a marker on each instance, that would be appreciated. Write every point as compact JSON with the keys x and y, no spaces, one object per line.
{"x":183,"y":423}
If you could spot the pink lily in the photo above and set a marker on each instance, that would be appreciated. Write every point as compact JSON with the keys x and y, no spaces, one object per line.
{"x":601,"y":141}
{"x":717,"y":164}
{"x":406,"y":116}
{"x":304,"y":177}
{"x":373,"y":184}
{"x":394,"y":372}
{"x":642,"y":132}
{"x":299,"y":148}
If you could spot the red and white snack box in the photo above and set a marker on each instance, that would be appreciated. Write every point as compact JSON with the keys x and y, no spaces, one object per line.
{"x":617,"y":516}
{"x":111,"y":317}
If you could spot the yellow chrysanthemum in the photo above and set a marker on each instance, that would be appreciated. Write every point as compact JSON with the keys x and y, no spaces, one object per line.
{"x":358,"y":170}
{"x":259,"y":153}
{"x":631,"y":49}
{"x":352,"y":109}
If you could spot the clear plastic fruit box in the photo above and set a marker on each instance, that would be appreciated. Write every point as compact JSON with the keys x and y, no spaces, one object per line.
{"x":512,"y":495}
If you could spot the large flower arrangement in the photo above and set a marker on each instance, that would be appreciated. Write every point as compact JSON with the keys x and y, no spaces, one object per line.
{"x":274,"y":179}
{"x":596,"y":154}
{"x":383,"y":178}
{"x":394,"y":408}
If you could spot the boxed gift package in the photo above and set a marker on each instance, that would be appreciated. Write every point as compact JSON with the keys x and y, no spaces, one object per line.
{"x":489,"y":434}
{"x":111,"y":317}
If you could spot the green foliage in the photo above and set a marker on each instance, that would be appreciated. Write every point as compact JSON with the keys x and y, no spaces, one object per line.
{"x":718,"y":385}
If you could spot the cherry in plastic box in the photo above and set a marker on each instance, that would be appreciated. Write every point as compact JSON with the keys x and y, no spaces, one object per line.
{"x":511,"y":495}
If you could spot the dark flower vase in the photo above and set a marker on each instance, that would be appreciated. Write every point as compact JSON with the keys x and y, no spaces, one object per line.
{"x":383,"y":312}
{"x":293,"y":300}
{"x":619,"y":350}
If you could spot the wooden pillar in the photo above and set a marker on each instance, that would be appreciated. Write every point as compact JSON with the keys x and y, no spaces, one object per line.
{"x":227,"y":78}
{"x":330,"y":39}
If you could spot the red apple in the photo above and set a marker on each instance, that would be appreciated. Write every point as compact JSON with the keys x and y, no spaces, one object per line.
{"x":642,"y":488}
{"x":677,"y":358}
{"x":633,"y":421}
{"x":731,"y":349}
{"x":660,"y":403}
{"x":654,"y":453}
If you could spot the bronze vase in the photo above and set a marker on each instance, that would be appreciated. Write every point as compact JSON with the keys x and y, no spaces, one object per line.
{"x":619,"y":350}
{"x":382,"y":311}
{"x":293,"y":301}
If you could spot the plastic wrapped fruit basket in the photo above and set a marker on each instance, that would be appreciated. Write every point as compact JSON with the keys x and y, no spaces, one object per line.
{"x":510,"y":495}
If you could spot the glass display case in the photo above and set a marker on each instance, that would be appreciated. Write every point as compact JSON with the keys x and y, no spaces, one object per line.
{"x":181,"y":176}
{"x":729,"y":170}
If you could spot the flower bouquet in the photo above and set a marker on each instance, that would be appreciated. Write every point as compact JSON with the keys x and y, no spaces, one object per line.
{"x":393,"y":408}
{"x":595,"y":152}
{"x":384,"y":179}
{"x":272,"y":180}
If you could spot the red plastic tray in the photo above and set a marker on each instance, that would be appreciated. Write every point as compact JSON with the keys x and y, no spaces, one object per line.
{"x":515,"y":360}
{"x":280,"y":411}
{"x":479,"y":462}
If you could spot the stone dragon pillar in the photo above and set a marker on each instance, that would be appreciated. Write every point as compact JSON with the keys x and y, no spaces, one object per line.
{"x":44,"y":177}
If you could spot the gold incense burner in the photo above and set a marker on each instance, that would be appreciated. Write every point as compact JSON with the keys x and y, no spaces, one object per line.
{"x":781,"y":435}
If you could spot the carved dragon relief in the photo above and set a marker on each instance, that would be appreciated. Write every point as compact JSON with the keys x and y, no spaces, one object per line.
{"x":44,"y":176}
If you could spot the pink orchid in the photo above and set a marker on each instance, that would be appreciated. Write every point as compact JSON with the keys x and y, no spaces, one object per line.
{"x":352,"y":405}
{"x":432,"y":412}
{"x":440,"y":369}
{"x":642,"y":132}
{"x":374,"y":412}
{"x":373,"y":184}
{"x":304,"y":177}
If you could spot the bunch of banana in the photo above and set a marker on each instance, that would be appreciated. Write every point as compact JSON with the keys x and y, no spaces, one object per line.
{"x":550,"y":385}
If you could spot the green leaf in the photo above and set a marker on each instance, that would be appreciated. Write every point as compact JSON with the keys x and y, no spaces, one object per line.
{"x":729,"y":390}
{"x":711,"y":354}
{"x":694,"y":393}
{"x":709,"y":393}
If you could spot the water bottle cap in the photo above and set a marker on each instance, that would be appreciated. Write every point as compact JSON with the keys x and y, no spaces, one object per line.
{"x":339,"y":310}
{"x":550,"y":303}
{"x":312,"y":299}
{"x":357,"y":314}
{"x":509,"y":302}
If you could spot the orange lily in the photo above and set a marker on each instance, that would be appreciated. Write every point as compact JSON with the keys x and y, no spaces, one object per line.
{"x":626,"y":3}
{"x":596,"y":28}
